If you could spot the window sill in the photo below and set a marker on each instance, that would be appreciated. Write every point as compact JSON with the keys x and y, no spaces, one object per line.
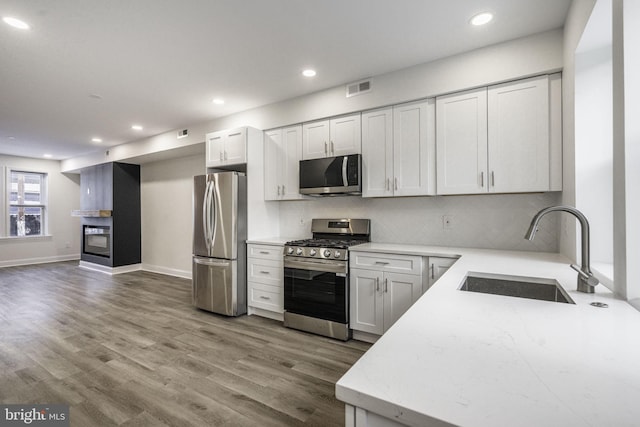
{"x":604,"y":272}
{"x":26,"y":238}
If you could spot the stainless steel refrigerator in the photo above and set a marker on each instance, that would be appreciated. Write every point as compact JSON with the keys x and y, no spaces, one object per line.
{"x":219,"y":243}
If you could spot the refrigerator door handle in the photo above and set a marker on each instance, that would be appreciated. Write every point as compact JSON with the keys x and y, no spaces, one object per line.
{"x":205,"y":216}
{"x":211,"y":261}
{"x":216,"y":205}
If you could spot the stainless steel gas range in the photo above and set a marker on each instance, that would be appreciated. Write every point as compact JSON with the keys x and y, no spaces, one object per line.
{"x":316,"y":277}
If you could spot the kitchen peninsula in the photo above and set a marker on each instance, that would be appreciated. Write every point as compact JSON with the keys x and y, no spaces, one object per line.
{"x":473,"y":359}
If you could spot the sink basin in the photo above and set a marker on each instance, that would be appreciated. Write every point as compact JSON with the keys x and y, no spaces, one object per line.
{"x":515,"y":286}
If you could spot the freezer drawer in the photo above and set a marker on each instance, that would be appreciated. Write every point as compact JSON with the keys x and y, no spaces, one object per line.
{"x":217,"y":288}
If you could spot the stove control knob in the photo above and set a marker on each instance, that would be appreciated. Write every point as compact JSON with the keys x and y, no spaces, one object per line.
{"x":313,"y":252}
{"x":337,"y":254}
{"x":289,"y":251}
{"x":327,"y":253}
{"x":299,"y":251}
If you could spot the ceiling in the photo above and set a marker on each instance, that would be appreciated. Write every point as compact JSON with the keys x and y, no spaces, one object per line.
{"x":93,"y":68}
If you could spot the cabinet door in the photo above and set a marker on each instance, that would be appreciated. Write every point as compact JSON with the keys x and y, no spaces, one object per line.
{"x":290,"y":162}
{"x":315,"y":140}
{"x":215,"y":149}
{"x":437,"y":267}
{"x":235,"y":147}
{"x":345,"y":136}
{"x":414,"y":149}
{"x":377,"y":153}
{"x":366,"y":301}
{"x":461,"y":141}
{"x":518,"y":125}
{"x":272,"y":155}
{"x":400,"y":292}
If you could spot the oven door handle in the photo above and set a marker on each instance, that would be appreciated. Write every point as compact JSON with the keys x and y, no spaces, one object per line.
{"x":329,"y":267}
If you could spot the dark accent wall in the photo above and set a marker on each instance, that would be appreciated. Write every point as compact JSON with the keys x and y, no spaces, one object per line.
{"x":116,"y":187}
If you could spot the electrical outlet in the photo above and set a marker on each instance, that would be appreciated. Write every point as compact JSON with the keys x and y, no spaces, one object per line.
{"x":447,"y":221}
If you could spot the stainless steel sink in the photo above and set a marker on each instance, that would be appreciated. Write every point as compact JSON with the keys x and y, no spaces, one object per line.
{"x":516,"y":286}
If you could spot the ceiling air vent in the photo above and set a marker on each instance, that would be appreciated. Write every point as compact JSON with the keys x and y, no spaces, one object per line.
{"x":183,"y":133}
{"x":358,"y":88}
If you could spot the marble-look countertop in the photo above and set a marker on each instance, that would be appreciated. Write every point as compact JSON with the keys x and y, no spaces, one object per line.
{"x":472,"y":359}
{"x":275,"y":240}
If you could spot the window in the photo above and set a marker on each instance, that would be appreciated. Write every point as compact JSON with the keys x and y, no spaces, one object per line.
{"x":27,"y":203}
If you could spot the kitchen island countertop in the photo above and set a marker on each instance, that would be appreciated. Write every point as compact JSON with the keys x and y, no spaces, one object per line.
{"x":473,"y":359}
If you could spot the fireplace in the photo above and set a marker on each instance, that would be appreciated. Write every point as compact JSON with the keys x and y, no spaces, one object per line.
{"x":97,"y":240}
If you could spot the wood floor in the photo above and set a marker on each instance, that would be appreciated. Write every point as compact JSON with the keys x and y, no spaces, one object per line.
{"x":130,"y":350}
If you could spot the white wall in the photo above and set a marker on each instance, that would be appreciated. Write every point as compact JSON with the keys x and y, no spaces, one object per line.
{"x":63,"y":241}
{"x":167,"y":224}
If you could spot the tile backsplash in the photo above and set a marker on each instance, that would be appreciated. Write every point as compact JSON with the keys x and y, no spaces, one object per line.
{"x":479,"y":221}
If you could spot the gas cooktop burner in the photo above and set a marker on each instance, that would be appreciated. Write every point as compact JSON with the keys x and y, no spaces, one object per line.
{"x":331,"y":239}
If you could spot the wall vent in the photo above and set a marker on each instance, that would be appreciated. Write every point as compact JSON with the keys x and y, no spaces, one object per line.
{"x":358,"y":88}
{"x":183,"y":133}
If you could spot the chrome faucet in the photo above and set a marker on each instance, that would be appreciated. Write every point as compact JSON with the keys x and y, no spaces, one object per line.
{"x":586,"y":280}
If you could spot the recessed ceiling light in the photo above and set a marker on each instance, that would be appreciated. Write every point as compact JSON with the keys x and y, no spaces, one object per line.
{"x":15,"y":22}
{"x":481,"y":18}
{"x":96,"y":140}
{"x":309,"y":72}
{"x":218,"y":101}
{"x":48,"y":156}
{"x":137,"y":127}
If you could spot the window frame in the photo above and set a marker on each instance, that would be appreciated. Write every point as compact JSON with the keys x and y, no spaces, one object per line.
{"x":43,"y":203}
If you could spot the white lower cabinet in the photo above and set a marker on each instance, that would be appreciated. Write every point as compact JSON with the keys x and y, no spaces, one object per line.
{"x":437,"y":266}
{"x":265,"y":280}
{"x":382,"y":288}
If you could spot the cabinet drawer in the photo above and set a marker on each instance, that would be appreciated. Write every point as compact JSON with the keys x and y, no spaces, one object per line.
{"x":265,"y":271}
{"x":266,"y":297}
{"x":264,"y":251}
{"x":407,"y":264}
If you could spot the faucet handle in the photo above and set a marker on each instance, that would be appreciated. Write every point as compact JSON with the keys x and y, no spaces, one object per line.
{"x":589,"y":278}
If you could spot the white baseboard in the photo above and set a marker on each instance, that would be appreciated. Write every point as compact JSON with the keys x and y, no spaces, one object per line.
{"x":41,"y":260}
{"x":109,"y":270}
{"x":168,"y":271}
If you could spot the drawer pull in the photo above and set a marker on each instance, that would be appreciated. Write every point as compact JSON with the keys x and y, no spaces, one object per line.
{"x":381,"y":263}
{"x":265,"y":252}
{"x":264,"y":272}
{"x":263,"y":297}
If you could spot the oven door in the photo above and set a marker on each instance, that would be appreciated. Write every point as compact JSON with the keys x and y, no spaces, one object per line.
{"x":317,"y":289}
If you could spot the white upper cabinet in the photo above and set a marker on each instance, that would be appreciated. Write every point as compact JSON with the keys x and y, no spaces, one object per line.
{"x":518,"y":117}
{"x":377,"y":153}
{"x":328,"y":138}
{"x":414,"y":149}
{"x":283,"y":151}
{"x":227,"y":147}
{"x":501,"y":139}
{"x":461,"y":138}
{"x":398,"y":150}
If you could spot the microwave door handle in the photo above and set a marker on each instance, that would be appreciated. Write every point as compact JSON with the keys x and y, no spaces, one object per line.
{"x":345,"y":181}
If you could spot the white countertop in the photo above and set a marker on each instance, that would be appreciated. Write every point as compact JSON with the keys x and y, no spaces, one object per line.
{"x":275,"y":240}
{"x":473,"y":359}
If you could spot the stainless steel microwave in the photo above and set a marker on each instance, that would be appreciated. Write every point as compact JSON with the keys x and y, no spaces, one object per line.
{"x":331,"y":176}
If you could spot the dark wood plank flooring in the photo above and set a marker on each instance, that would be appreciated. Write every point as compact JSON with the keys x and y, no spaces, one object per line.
{"x":130,"y":350}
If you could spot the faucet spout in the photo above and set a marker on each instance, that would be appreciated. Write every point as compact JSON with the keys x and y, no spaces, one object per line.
{"x":586,"y":280}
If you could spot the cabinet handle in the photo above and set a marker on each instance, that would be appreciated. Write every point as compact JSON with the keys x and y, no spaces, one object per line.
{"x":278,"y":190}
{"x":381,"y":263}
{"x":333,"y":151}
{"x":263,"y":297}
{"x":283,"y":190}
{"x":325,"y":147}
{"x":482,"y":179}
{"x":377,"y":284}
{"x":264,"y":272}
{"x":265,"y":252}
{"x":225,"y":154}
{"x":388,"y":184}
{"x":433,"y":271}
{"x":493,"y":179}
{"x":386,"y":285}
{"x":396,"y":183}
